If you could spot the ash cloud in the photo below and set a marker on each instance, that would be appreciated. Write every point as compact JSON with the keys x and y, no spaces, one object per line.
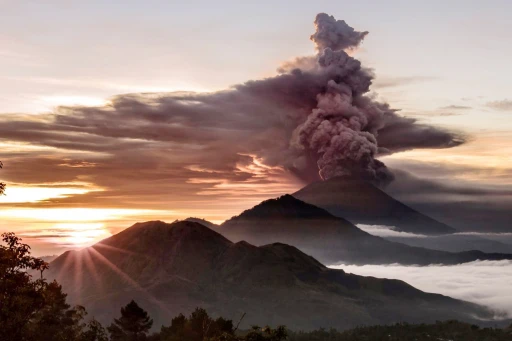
{"x":347,"y":129}
{"x":314,"y":118}
{"x":468,"y":206}
{"x":335,"y":34}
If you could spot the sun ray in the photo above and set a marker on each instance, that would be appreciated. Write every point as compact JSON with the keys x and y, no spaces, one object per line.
{"x":113,"y":248}
{"x":128,"y":279}
{"x":92,"y":268}
{"x":67,"y":264}
{"x":78,"y":275}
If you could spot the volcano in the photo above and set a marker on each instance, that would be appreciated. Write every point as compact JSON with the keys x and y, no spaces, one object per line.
{"x":361,"y":202}
{"x":173,"y":268}
{"x":332,"y":239}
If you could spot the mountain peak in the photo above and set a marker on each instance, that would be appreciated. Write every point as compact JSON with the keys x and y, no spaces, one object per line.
{"x":154,"y":237}
{"x":202,"y":221}
{"x":284,"y":207}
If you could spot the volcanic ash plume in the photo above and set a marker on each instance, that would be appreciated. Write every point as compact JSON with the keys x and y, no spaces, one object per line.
{"x":335,"y":34}
{"x":313,"y":119}
{"x":342,"y":130}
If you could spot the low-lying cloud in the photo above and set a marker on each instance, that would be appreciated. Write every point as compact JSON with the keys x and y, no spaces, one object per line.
{"x":483,"y":282}
{"x":388,"y":231}
{"x":456,"y":242}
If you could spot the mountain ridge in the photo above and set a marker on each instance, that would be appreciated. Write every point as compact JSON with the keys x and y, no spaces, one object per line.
{"x":173,"y":268}
{"x":332,"y":239}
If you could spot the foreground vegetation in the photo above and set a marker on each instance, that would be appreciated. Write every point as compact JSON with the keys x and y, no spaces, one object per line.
{"x":449,"y":330}
{"x":31,"y":309}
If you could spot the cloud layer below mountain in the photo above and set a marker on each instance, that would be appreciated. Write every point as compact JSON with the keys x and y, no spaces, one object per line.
{"x":483,"y":282}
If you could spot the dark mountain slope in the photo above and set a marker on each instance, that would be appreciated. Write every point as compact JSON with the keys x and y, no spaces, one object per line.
{"x":331,"y":239}
{"x":173,"y":268}
{"x":362,"y":203}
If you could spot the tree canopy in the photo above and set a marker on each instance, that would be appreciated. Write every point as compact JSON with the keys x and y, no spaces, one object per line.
{"x":33,"y":309}
{"x":133,"y":325}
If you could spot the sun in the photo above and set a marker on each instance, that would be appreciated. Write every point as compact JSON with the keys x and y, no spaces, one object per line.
{"x":81,"y":235}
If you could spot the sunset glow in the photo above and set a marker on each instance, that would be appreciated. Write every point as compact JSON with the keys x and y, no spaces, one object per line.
{"x":138,"y":119}
{"x":71,"y":234}
{"x":19,"y":194}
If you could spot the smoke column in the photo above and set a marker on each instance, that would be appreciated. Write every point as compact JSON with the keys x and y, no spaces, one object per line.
{"x":342,"y":130}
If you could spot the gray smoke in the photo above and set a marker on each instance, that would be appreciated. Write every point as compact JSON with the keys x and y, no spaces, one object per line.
{"x":343,"y":128}
{"x":335,"y":34}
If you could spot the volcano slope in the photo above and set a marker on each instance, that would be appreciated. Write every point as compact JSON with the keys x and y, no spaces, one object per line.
{"x":332,"y":239}
{"x":361,"y":202}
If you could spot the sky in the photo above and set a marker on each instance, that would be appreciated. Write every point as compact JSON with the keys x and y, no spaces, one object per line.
{"x":84,"y":65}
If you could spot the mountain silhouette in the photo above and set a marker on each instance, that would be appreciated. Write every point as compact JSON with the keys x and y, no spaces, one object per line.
{"x":173,"y":268}
{"x":331,"y":239}
{"x":361,"y":202}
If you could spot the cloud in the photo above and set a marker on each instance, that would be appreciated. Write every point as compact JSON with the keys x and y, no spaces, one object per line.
{"x":437,"y":190}
{"x":387,"y":81}
{"x":503,"y":105}
{"x":484,"y":234}
{"x":387,"y":231}
{"x":455,"y":107}
{"x":482,"y":282}
{"x":448,"y":114}
{"x":254,"y":140}
{"x":335,"y":34}
{"x":457,"y":242}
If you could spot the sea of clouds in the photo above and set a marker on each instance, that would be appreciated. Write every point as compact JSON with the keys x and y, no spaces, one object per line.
{"x":487,"y":283}
{"x":457,"y":242}
{"x":387,"y":231}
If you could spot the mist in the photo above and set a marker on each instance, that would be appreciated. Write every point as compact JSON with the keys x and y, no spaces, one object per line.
{"x":482,"y":282}
{"x":388,"y":231}
{"x":456,"y":242}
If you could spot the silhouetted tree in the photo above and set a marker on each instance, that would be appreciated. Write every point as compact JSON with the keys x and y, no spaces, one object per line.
{"x":266,"y":334}
{"x":133,"y":325}
{"x":20,"y":297}
{"x":201,"y":327}
{"x":56,"y":321}
{"x":32,"y":309}
{"x":94,"y":332}
{"x":197,"y":327}
{"x":176,"y":331}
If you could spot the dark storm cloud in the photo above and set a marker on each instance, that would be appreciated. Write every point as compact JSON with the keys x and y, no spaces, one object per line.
{"x":313,"y":117}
